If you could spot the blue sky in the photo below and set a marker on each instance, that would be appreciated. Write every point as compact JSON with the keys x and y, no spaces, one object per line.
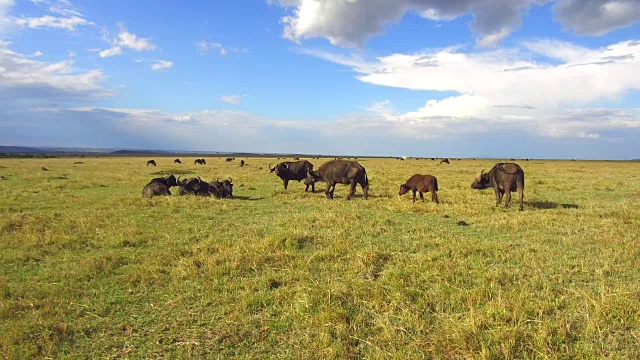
{"x":504,"y":78}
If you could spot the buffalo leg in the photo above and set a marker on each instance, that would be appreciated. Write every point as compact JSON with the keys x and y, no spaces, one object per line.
{"x":507,"y":199}
{"x":352,"y":189}
{"x":306,"y":188}
{"x":313,"y":187}
{"x":413,"y":192}
{"x":521,"y":197}
{"x":328,"y":192}
{"x":365,"y":189}
{"x":434,"y":197}
{"x":421,"y":196}
{"x":286,"y":183}
{"x":333,"y":189}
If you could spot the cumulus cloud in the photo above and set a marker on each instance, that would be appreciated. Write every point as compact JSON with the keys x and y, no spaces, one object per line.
{"x":498,"y":87}
{"x":161,"y":65}
{"x":349,"y":23}
{"x":232,"y":99}
{"x":27,"y":78}
{"x":110,"y":52}
{"x":597,"y":17}
{"x":125,"y":39}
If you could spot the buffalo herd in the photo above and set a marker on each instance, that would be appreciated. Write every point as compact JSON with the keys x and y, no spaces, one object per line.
{"x":504,"y":178}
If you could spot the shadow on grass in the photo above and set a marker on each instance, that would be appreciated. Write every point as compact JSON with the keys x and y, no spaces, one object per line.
{"x":247,"y":198}
{"x":550,"y":205}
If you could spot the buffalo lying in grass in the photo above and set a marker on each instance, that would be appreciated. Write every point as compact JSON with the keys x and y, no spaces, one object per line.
{"x":151,"y":162}
{"x":159,"y":186}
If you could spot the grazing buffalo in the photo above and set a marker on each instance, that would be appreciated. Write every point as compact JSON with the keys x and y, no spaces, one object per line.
{"x":444,"y":161}
{"x":159,"y":186}
{"x":177,"y":161}
{"x":421,"y":184}
{"x":504,"y":178}
{"x":340,"y":172}
{"x":230,"y":159}
{"x":293,"y":170}
{"x":222,"y":189}
{"x":242,"y":163}
{"x":200,"y":162}
{"x":151,"y":162}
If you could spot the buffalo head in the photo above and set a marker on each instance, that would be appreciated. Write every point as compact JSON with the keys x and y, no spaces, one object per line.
{"x":481,"y":182}
{"x":404,"y":188}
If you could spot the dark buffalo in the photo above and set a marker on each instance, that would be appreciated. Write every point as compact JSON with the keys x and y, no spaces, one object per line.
{"x":293,"y":170}
{"x":222,"y":189}
{"x":200,"y":162}
{"x":194,"y":186}
{"x":421,"y":184}
{"x":151,"y":162}
{"x":340,"y":172}
{"x":504,"y":178}
{"x":230,"y":159}
{"x":177,"y":161}
{"x":242,"y":163}
{"x":159,"y":186}
{"x":444,"y":161}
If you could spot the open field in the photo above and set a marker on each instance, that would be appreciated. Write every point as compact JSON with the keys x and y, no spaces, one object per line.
{"x":90,"y":269}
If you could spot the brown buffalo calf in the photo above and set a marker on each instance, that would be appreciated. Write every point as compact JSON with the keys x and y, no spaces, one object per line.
{"x":421,"y":184}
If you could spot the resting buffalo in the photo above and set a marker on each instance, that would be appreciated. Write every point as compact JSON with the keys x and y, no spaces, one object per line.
{"x":159,"y":186}
{"x":177,"y":161}
{"x":421,"y":184}
{"x":222,"y":189}
{"x":194,"y":186}
{"x":504,"y":178}
{"x":340,"y":172}
{"x":293,"y":170}
{"x":151,"y":162}
{"x":200,"y":162}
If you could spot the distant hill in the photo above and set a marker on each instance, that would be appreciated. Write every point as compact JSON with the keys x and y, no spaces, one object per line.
{"x":22,"y":150}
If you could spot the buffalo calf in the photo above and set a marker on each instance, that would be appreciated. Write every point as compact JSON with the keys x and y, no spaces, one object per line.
{"x":421,"y":184}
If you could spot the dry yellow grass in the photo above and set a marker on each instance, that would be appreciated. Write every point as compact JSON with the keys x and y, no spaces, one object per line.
{"x":90,"y":269}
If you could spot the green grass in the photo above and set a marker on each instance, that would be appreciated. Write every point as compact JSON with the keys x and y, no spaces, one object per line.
{"x":90,"y":269}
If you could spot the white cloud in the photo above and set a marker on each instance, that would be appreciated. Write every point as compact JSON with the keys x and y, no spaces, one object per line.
{"x":36,"y":54}
{"x":161,"y":65}
{"x":111,"y":52}
{"x":37,"y":79}
{"x":48,"y":21}
{"x":505,"y":87}
{"x":350,"y":23}
{"x":232,"y":99}
{"x":125,"y":39}
{"x":5,"y":8}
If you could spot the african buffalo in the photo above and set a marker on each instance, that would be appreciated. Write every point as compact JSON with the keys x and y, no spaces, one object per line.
{"x":194,"y":186}
{"x":159,"y":186}
{"x":293,"y":170}
{"x":340,"y":172}
{"x":177,"y":161}
{"x":151,"y":162}
{"x":421,"y":184}
{"x":222,"y":189}
{"x":230,"y":159}
{"x":504,"y":178}
{"x":200,"y":162}
{"x":242,"y":163}
{"x":444,"y":161}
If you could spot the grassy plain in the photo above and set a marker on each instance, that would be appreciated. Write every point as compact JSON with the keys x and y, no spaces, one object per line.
{"x":90,"y":269}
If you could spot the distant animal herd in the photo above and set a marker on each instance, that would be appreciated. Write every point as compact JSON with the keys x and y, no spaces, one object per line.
{"x":504,"y":178}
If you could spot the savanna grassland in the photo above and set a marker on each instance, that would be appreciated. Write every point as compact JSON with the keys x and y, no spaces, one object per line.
{"x":90,"y":269}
